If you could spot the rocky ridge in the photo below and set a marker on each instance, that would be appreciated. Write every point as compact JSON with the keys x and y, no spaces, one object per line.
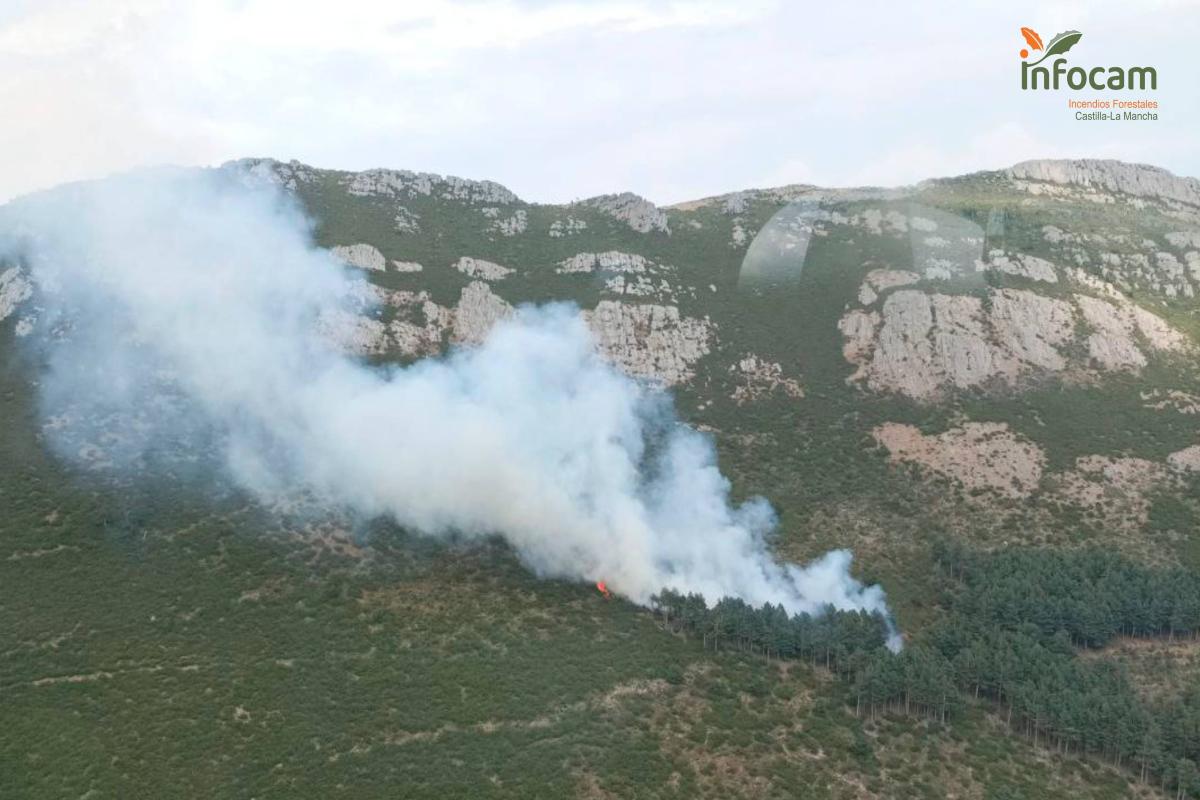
{"x":1138,"y":180}
{"x":637,"y":212}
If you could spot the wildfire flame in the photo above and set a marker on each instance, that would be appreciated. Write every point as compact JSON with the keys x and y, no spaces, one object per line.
{"x":603,"y":589}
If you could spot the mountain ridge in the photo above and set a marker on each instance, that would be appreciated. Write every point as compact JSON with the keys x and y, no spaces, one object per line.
{"x":1134,"y":178}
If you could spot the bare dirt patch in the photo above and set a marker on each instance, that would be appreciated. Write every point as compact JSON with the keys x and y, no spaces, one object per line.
{"x":979,"y":455}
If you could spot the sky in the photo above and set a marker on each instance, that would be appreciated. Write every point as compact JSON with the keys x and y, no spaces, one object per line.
{"x":564,"y":100}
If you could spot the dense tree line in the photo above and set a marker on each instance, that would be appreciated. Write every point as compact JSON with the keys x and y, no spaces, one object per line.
{"x":842,"y":641}
{"x":1012,"y":626}
{"x":1015,"y":621}
{"x":1091,"y":595}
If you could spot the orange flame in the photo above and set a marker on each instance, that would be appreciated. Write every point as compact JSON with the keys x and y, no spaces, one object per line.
{"x":604,"y":590}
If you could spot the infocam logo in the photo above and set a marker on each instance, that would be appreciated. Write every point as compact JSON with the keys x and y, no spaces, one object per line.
{"x":1053,"y":75}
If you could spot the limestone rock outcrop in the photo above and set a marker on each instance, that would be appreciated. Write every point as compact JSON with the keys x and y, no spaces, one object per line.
{"x":758,"y":378}
{"x":404,"y":183}
{"x":477,"y":311}
{"x":645,"y":340}
{"x":1112,"y":345}
{"x":354,"y":333}
{"x":635,"y":211}
{"x":511,"y":225}
{"x":650,"y":341}
{"x":609,"y":261}
{"x":363,"y":256}
{"x":1140,"y":180}
{"x":1024,"y":266}
{"x":921,"y":344}
{"x":478,"y":268}
{"x":15,"y":289}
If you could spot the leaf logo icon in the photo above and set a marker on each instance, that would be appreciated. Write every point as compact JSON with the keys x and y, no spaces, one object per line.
{"x":1059,"y":44}
{"x":1032,"y":37}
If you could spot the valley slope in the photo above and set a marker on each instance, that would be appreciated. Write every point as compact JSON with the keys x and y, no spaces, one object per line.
{"x":1004,"y":360}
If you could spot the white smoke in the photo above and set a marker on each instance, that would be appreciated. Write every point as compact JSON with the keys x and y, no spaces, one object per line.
{"x":180,"y":307}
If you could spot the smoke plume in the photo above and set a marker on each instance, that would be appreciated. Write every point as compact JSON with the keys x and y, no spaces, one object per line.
{"x":177,"y":311}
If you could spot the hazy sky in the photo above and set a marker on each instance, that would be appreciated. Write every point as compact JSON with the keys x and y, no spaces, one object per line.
{"x":557,"y":100}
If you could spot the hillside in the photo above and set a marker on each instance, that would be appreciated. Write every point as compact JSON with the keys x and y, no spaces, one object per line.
{"x":1004,"y":361}
{"x":969,"y":342}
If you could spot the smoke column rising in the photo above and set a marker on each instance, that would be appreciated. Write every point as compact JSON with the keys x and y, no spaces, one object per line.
{"x":180,"y":306}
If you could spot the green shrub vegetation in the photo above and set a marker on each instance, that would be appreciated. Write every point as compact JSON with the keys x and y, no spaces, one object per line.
{"x":167,"y":636}
{"x":1014,"y":622}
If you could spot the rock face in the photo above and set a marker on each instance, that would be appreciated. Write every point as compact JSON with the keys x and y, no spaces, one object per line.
{"x":921,"y":344}
{"x":421,"y":327}
{"x":638,"y":286}
{"x":403,"y":183}
{"x":636,"y":212}
{"x":1138,"y":264}
{"x":758,"y":377}
{"x":879,"y":280}
{"x":354,"y":333}
{"x":1113,"y":346}
{"x":477,"y":311}
{"x":15,"y":289}
{"x":419,"y":339}
{"x":1032,"y":267}
{"x":1139,"y":180}
{"x":1031,"y":327}
{"x":478,"y":268}
{"x":627,"y":274}
{"x":883,"y":279}
{"x":363,"y":256}
{"x":650,"y":341}
{"x":406,"y":266}
{"x":508,"y":226}
{"x":738,"y":236}
{"x":858,"y":327}
{"x":979,"y":455}
{"x":645,"y":340}
{"x":610,"y":261}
